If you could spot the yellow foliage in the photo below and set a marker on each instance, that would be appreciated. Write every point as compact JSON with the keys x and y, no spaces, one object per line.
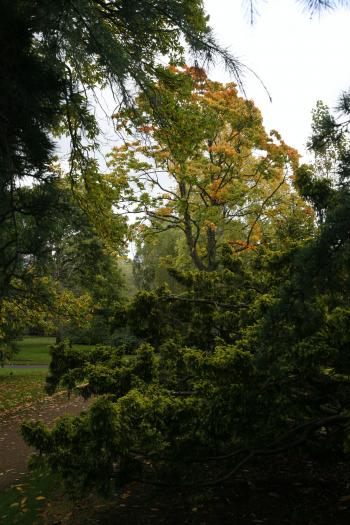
{"x":210,"y":225}
{"x":46,"y":305}
{"x":164,"y":212}
{"x":243,"y":245}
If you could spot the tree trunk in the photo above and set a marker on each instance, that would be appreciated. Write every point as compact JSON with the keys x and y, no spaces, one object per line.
{"x":211,"y":249}
{"x":190,"y":239}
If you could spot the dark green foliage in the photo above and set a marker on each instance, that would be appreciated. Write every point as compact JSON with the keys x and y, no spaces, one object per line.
{"x":242,"y":358}
{"x":31,"y":92}
{"x":122,"y":337}
{"x":248,"y":360}
{"x":54,"y":54}
{"x":317,"y":191}
{"x":78,"y":260}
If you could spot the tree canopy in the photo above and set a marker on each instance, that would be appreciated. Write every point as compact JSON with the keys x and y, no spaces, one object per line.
{"x":55,"y":59}
{"x":243,"y":351}
{"x":54,"y":56}
{"x":201,"y":162}
{"x":248,"y":360}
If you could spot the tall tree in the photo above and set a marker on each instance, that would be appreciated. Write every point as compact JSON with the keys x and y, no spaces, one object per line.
{"x":203,"y":163}
{"x":81,"y":264}
{"x":154,"y":255}
{"x":31,"y":93}
{"x":54,"y":56}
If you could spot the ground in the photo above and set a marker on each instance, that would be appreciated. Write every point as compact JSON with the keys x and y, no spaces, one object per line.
{"x":13,"y":451}
{"x":267,"y":494}
{"x":22,"y":396}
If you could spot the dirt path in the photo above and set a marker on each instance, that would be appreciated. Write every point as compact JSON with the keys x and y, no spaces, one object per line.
{"x":13,"y":451}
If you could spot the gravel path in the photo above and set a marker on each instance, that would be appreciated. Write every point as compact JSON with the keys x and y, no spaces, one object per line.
{"x":13,"y":451}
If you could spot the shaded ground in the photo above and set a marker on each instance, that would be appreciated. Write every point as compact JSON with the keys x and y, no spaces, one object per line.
{"x":303,"y":495}
{"x":292,"y":491}
{"x":13,"y":451}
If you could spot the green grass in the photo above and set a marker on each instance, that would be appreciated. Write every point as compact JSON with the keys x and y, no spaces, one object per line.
{"x":20,"y":386}
{"x":33,"y":350}
{"x":23,"y":504}
{"x":41,"y":499}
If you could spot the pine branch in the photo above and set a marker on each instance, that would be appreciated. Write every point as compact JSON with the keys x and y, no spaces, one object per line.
{"x":274,"y":448}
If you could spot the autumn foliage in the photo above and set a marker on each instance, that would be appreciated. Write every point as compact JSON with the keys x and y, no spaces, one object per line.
{"x":198,"y":160}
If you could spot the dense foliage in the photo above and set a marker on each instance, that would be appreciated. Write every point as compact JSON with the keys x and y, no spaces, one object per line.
{"x":201,"y":163}
{"x":242,"y":350}
{"x":56,"y":57}
{"x":248,"y":360}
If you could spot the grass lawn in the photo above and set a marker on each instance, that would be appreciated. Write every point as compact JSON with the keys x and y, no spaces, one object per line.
{"x":41,"y":499}
{"x":24,"y":503}
{"x":33,"y":350}
{"x":19,"y":386}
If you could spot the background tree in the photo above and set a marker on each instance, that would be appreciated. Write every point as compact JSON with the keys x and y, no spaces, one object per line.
{"x":154,"y":255}
{"x":55,"y":58}
{"x":203,"y":164}
{"x":71,"y":265}
{"x":78,"y":260}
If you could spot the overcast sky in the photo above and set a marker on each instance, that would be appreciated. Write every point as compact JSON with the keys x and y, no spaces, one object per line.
{"x":299,"y":58}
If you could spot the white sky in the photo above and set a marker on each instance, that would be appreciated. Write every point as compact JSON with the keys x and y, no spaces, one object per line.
{"x":300,"y":60}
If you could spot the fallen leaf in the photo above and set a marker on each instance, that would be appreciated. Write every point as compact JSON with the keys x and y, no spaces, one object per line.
{"x":39,"y":498}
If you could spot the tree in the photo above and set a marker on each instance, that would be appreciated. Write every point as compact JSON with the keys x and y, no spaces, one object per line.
{"x":80,"y":263}
{"x":329,"y":144}
{"x":244,"y":362}
{"x":54,"y":57}
{"x":249,"y":361}
{"x":69,"y":265}
{"x":45,"y":305}
{"x":30,"y":100}
{"x":235,"y":368}
{"x":28,"y":295}
{"x":202,"y":163}
{"x":154,"y":255}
